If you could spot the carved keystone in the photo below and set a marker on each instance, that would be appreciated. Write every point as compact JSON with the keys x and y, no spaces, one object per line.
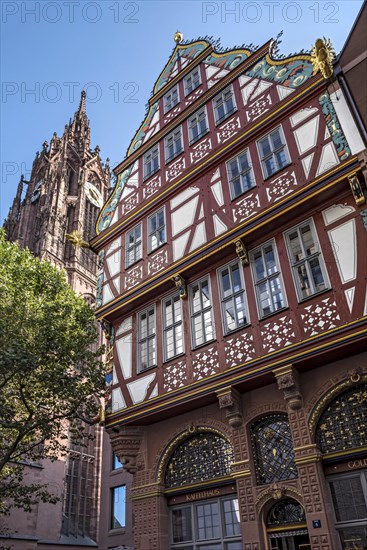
{"x":230,"y":400}
{"x":288,"y":381}
{"x":126,"y":442}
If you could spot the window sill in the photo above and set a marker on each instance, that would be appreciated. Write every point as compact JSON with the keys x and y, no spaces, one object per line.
{"x":280,"y":310}
{"x":187,"y":94}
{"x":198,"y":138}
{"x":170,"y":109}
{"x":230,"y":332}
{"x":244,"y":193}
{"x":168,"y":161}
{"x":223,"y":119}
{"x":118,"y":531}
{"x":148,"y":176}
{"x":278,"y":171}
{"x":138,"y":372}
{"x":173,"y":358}
{"x":133,"y":264}
{"x":156,"y":248}
{"x":302,"y":300}
{"x":208,"y":343}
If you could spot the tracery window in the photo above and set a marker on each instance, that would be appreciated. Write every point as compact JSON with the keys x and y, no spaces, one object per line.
{"x":286,"y":512}
{"x":273,"y":449}
{"x":342,"y":425}
{"x":203,"y":456}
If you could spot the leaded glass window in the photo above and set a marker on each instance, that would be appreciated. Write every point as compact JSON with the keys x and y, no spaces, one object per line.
{"x":202,"y":328}
{"x":240,"y":174}
{"x":203,"y":456}
{"x":285,"y":512}
{"x":273,"y":449}
{"x":234,"y":310}
{"x":273,"y":152}
{"x":342,"y":425}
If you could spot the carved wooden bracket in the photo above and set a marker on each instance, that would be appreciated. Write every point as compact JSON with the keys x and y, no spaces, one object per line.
{"x":288,"y":381}
{"x":242,"y":252}
{"x":181,"y":285}
{"x":230,"y":400}
{"x":357,"y":189}
{"x":126,"y":442}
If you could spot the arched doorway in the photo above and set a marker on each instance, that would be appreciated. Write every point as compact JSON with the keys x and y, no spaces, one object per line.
{"x":201,"y":496}
{"x":286,"y":526}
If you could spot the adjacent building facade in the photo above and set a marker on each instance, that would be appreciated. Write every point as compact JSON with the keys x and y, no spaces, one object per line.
{"x":232,"y":284}
{"x":64,"y":194}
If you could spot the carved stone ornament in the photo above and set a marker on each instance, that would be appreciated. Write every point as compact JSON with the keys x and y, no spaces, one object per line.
{"x":357,"y":189}
{"x":242,"y":252}
{"x":230,"y":400}
{"x":288,"y":382}
{"x":126,"y":442}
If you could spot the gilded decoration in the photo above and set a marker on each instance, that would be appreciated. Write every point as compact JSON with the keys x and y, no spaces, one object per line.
{"x":276,"y":491}
{"x":203,"y":456}
{"x":342,"y":425}
{"x":100,"y":277}
{"x":286,"y":512}
{"x":332,"y":122}
{"x":355,"y":376}
{"x":180,"y":438}
{"x":356,"y":189}
{"x":322,"y":57}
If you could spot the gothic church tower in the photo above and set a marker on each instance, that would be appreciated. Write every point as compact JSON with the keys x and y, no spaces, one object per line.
{"x":68,"y":185}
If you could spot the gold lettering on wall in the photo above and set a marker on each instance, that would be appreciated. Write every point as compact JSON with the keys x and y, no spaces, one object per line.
{"x":361,"y":463}
{"x":203,"y":494}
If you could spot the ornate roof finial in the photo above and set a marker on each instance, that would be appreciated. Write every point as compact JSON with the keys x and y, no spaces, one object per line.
{"x":82,"y":102}
{"x":178,"y":37}
{"x":322,"y":57}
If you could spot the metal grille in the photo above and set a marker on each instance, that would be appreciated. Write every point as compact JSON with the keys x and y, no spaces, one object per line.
{"x":342,"y":425}
{"x":273,"y":449}
{"x":286,"y":512}
{"x":203,"y":456}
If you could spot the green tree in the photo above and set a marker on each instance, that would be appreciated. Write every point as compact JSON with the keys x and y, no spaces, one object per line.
{"x":49,"y":377}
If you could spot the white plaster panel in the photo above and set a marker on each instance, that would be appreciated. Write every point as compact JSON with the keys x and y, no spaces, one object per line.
{"x":336,"y":212}
{"x":199,"y":236}
{"x":347,"y":123}
{"x":114,"y":375}
{"x":329,"y":158}
{"x":284,"y":91}
{"x":184,"y":216}
{"x":116,"y":283}
{"x":219,"y":226}
{"x":344,"y":245}
{"x":118,"y":401}
{"x":349,"y":295}
{"x":216,"y":175}
{"x":179,"y":245}
{"x":114,"y":260}
{"x":306,"y":135}
{"x":244,"y":80}
{"x":302,"y":115}
{"x":124,"y":353}
{"x":306,"y":163}
{"x":182,"y":197}
{"x":126,"y":325}
{"x":138,"y":389}
{"x":218,"y":193}
{"x":107,"y":295}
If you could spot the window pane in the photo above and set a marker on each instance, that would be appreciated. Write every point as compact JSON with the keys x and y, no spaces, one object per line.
{"x":208,"y":525}
{"x":208,"y":326}
{"x":226,"y":283}
{"x":304,"y":282}
{"x":348,"y":499}
{"x":116,"y":463}
{"x":270,"y":260}
{"x":196,"y":303}
{"x":198,"y":331}
{"x":265,"y":147}
{"x":118,"y":507}
{"x":317,"y":275}
{"x":264,"y":297}
{"x":231,"y":518}
{"x":259,"y":266}
{"x":236,"y":279}
{"x":181,"y":525}
{"x":353,"y":538}
{"x":308,"y":240}
{"x":295,"y":246}
{"x":230,"y":319}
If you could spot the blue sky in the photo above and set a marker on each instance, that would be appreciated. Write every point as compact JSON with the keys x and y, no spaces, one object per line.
{"x":115,"y":49}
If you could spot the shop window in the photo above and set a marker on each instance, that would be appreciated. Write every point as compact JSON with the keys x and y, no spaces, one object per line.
{"x":240,"y":174}
{"x":268,"y":282}
{"x":118,"y":508}
{"x":273,"y":449}
{"x":273,"y":152}
{"x":203,"y":456}
{"x":342,"y":425}
{"x":172,"y":327}
{"x":306,"y":260}
{"x":234,"y":310}
{"x":349,"y":496}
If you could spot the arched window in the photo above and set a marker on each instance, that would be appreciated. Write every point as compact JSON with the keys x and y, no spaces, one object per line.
{"x":273,"y":449}
{"x":203,"y":456}
{"x":285,"y":512}
{"x":342,"y":425}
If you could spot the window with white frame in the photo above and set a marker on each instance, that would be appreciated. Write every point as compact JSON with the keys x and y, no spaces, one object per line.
{"x":224,"y":104}
{"x":267,"y":278}
{"x":240,"y":174}
{"x":156,"y":230}
{"x":133,"y":245}
{"x":306,"y":260}
{"x":170,"y":99}
{"x":146,"y":339}
{"x":202,"y":328}
{"x":173,"y":144}
{"x":151,"y":162}
{"x":349,"y":497}
{"x":232,"y":293}
{"x":198,"y":125}
{"x":173,"y":342}
{"x":273,"y":152}
{"x":192,"y":81}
